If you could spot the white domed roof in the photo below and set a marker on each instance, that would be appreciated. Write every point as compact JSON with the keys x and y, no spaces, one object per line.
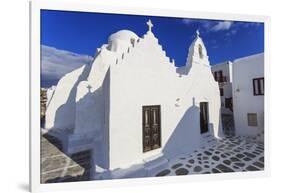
{"x":125,"y":35}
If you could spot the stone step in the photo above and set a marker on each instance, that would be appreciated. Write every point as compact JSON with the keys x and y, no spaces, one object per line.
{"x":136,"y":171}
{"x":152,"y":166}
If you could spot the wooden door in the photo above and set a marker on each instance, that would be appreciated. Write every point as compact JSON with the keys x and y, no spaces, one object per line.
{"x":151,"y":119}
{"x":204,"y":122}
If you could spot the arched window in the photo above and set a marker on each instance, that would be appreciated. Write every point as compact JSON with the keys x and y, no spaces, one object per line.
{"x":200,"y":51}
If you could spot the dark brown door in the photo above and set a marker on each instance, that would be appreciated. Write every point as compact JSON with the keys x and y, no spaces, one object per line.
{"x":151,"y":121}
{"x":204,"y":122}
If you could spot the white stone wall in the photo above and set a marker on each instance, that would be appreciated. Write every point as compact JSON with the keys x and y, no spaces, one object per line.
{"x":145,"y":76}
{"x":244,"y":101}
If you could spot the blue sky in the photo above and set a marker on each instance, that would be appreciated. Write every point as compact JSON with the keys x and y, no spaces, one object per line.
{"x":76,"y":35}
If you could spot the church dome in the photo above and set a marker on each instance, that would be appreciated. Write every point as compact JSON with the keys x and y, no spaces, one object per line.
{"x":124,"y":35}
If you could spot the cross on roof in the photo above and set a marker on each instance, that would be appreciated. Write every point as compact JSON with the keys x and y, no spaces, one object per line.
{"x":150,"y":25}
{"x":89,"y":88}
{"x":197,"y":33}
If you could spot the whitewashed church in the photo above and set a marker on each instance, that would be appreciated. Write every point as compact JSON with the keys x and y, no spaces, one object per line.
{"x":133,"y":106}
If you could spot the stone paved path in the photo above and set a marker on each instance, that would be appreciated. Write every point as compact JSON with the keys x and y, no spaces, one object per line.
{"x":232,"y":154}
{"x":56,"y":166}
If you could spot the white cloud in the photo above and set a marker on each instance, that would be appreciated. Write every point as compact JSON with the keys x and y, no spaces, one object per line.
{"x":209,"y":25}
{"x":206,"y":24}
{"x":231,"y":32}
{"x":55,"y":63}
{"x":222,"y":25}
{"x":250,"y":24}
{"x":187,"y":21}
{"x":203,"y":23}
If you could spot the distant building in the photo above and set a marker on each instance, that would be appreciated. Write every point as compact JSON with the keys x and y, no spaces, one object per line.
{"x":223,"y":75}
{"x":43,"y":102}
{"x":248,"y":95}
{"x":46,"y":95}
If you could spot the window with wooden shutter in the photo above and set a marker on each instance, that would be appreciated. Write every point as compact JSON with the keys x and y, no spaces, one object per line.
{"x":252,"y":119}
{"x":258,"y":86}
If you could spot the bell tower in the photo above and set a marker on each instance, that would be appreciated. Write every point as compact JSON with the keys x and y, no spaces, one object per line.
{"x":197,"y":53}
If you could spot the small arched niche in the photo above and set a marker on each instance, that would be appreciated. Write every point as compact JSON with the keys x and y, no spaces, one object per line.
{"x":200,"y":51}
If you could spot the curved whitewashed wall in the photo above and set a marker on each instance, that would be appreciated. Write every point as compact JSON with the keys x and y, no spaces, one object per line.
{"x":60,"y":113}
{"x":89,"y":97}
{"x":92,"y":98}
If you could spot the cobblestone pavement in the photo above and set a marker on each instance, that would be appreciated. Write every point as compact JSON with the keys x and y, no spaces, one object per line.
{"x":59,"y":167}
{"x":232,"y":154}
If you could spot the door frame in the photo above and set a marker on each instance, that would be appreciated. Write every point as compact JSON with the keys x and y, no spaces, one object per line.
{"x":159,"y":129}
{"x":208,"y":120}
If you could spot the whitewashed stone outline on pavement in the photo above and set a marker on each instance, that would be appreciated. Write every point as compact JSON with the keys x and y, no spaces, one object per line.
{"x":247,"y":144}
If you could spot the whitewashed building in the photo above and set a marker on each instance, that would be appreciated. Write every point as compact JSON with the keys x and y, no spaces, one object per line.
{"x":248,"y":95}
{"x":223,"y":75}
{"x":133,"y":106}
